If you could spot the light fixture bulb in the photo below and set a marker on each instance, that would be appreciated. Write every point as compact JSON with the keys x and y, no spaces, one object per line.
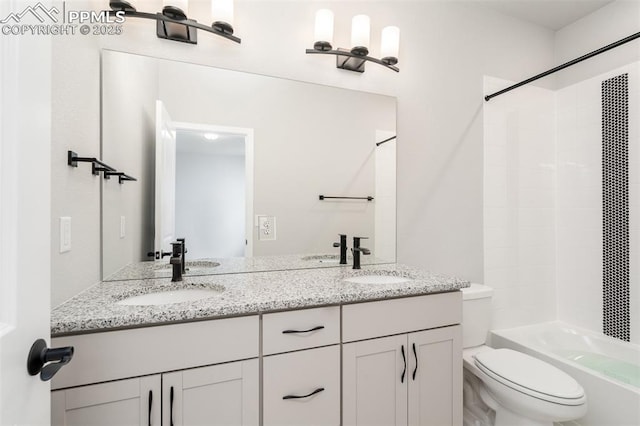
{"x":211,"y":136}
{"x":323,"y":30}
{"x":390,"y":45}
{"x":360,"y":30}
{"x":222,"y":15}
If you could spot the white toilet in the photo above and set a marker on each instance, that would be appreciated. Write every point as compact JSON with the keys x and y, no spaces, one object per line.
{"x":522,"y":390}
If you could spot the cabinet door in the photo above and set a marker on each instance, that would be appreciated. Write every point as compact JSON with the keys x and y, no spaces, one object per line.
{"x":302,"y":388}
{"x":131,"y":402}
{"x":374,"y":389}
{"x":435,"y":379}
{"x":224,"y":394}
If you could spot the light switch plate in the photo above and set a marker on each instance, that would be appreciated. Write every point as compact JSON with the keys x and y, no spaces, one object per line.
{"x":65,"y":234}
{"x":266,"y":228}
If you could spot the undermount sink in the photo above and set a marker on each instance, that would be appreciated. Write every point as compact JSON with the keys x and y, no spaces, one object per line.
{"x":377,"y":279}
{"x":191,"y":264}
{"x":169,"y":297}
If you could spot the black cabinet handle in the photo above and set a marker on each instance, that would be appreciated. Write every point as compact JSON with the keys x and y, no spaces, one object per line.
{"x":171,"y":406}
{"x":150,"y":405}
{"x":303,"y":396}
{"x":404,"y":359}
{"x":320,"y":327}
{"x":415,"y":355}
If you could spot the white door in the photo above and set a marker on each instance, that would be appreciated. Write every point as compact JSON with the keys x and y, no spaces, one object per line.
{"x":374,"y":388}
{"x":219,"y":395}
{"x":165,"y":217}
{"x":25,"y":222}
{"x":131,"y":402}
{"x":435,"y":381}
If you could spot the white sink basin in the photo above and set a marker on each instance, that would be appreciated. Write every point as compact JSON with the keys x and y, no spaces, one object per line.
{"x":168,"y":297}
{"x":377,"y":279}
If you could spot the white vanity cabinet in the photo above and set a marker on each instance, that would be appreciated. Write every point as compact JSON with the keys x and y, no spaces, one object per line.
{"x":219,"y":395}
{"x":302,"y":386}
{"x":134,"y":402}
{"x":388,"y":362}
{"x":116,"y":376}
{"x":407,"y":377}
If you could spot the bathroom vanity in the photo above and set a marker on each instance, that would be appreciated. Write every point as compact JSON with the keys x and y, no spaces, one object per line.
{"x":326,"y":346}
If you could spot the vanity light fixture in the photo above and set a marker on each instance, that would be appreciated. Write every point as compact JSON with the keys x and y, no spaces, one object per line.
{"x":211,"y":136}
{"x":172,"y":23}
{"x":355,"y":58}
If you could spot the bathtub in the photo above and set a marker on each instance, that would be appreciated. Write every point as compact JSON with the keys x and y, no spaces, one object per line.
{"x":608,"y":369}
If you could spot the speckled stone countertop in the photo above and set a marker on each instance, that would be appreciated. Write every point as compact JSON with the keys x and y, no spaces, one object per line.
{"x":96,"y":309}
{"x":237,"y":265}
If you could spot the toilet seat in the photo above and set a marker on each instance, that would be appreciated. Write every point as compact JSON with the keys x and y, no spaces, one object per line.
{"x":530,"y":376}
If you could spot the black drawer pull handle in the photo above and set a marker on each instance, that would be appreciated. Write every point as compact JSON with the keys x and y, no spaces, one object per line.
{"x":320,"y":327}
{"x":303,"y":396}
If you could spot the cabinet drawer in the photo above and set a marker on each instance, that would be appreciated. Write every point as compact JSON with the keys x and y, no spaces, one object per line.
{"x":384,"y":318}
{"x":294,"y":330}
{"x":112,"y":355}
{"x":298,"y":374}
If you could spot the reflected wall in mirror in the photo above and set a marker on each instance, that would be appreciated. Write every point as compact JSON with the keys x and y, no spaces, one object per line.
{"x":306,"y":140}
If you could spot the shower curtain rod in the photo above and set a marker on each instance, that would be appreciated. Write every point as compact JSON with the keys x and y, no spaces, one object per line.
{"x":565,"y":65}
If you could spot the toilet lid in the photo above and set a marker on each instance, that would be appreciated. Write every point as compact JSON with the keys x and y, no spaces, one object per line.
{"x":530,"y":375}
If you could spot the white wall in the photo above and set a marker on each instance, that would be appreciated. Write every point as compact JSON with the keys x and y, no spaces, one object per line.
{"x":611,"y":23}
{"x":210,"y":216}
{"x":519,"y":204}
{"x":446,"y":48}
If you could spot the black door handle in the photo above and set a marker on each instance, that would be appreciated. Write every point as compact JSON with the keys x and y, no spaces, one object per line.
{"x":404,"y":359}
{"x":150,"y":405}
{"x":303,"y":396}
{"x":39,"y":355}
{"x":415,"y":355}
{"x":320,"y":327}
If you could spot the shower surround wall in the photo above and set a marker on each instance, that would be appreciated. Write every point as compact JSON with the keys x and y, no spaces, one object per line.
{"x":544,"y":218}
{"x":598,"y":289}
{"x":519,"y":204}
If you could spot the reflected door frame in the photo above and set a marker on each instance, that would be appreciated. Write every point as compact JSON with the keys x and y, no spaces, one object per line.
{"x":248,"y":167}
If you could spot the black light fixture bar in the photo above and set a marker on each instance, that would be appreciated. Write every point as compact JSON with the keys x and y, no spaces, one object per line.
{"x":219,"y":29}
{"x":325,"y":197}
{"x":350,"y":61}
{"x":565,"y":65}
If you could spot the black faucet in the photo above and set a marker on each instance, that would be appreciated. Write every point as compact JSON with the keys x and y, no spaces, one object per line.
{"x":184,"y":251}
{"x":343,"y":248}
{"x":357,"y":250}
{"x":176,"y":261}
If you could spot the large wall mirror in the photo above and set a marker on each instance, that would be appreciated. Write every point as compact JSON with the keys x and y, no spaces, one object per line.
{"x":235,"y":163}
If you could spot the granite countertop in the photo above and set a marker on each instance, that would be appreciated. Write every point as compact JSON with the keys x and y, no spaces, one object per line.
{"x":237,"y":265}
{"x":96,"y":309}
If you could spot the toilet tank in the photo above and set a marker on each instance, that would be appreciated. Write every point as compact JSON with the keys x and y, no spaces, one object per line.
{"x":476,"y":314}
